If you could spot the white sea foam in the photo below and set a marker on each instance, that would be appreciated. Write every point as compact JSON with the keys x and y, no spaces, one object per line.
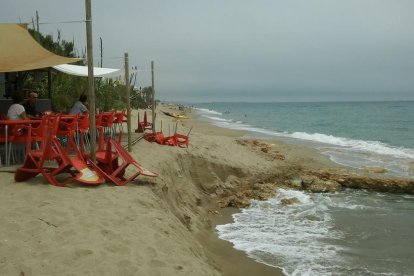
{"x":239,"y":125}
{"x":313,"y":237}
{"x":208,"y":111}
{"x":370,"y":146}
{"x":218,"y":119}
{"x":280,"y":235}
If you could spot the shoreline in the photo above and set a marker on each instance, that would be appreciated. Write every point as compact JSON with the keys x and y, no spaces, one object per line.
{"x":229,"y":260}
{"x":222,"y":254}
{"x":163,"y":225}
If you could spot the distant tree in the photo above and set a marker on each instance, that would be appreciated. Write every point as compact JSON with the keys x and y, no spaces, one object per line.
{"x":59,"y":47}
{"x":137,"y":101}
{"x":147,"y":95}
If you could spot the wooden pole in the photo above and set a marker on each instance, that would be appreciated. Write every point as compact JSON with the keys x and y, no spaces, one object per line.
{"x":101,"y":52}
{"x":128,"y":101}
{"x":37,"y":21}
{"x":91,"y":88}
{"x":49,"y":83}
{"x":153,"y":96}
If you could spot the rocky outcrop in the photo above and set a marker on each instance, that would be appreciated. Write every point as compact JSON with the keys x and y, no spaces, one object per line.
{"x":271,"y":153}
{"x":378,"y":184}
{"x":260,"y":191}
{"x":333,"y":181}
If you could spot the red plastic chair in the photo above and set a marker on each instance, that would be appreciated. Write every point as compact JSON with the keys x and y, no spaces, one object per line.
{"x":52,"y":151}
{"x":108,"y":164}
{"x":159,"y":138}
{"x":120,"y":118}
{"x":19,"y":134}
{"x":98,"y":120}
{"x":143,"y":125}
{"x":164,"y":140}
{"x":180,"y":140}
{"x":83,"y":131}
{"x":66,"y":128}
{"x":108,"y":119}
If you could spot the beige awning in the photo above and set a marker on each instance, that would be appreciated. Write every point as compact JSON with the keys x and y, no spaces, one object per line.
{"x":19,"y":51}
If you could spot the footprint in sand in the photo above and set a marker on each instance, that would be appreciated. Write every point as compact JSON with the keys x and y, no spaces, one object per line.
{"x":151,"y":252}
{"x":79,"y":253}
{"x":156,"y":263}
{"x":117,"y":249}
{"x":127,"y":268}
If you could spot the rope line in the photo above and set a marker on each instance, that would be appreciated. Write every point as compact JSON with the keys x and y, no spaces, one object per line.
{"x":62,"y":22}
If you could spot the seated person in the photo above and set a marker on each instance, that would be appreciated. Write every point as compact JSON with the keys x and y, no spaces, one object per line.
{"x":16,"y":110}
{"x":30,"y":105}
{"x":79,"y":107}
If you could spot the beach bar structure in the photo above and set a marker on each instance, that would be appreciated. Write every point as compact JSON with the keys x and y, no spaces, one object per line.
{"x":21,"y":54}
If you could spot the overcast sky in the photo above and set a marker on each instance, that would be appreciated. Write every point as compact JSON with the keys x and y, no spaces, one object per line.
{"x":242,"y":50}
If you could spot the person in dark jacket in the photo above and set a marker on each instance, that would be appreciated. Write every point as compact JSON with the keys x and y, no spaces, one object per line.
{"x":30,"y":105}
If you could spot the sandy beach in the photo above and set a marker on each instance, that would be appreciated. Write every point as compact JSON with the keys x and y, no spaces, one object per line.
{"x":163,"y":225}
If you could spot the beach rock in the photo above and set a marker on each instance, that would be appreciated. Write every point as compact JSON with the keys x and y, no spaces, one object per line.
{"x":236,"y":201}
{"x":264,"y":149}
{"x":322,"y":186}
{"x":296,"y":183}
{"x":374,"y":170}
{"x":263,"y":191}
{"x":352,"y":179}
{"x":258,"y":146}
{"x":290,"y":201}
{"x":240,"y":203}
{"x":378,"y":184}
{"x":307,"y":180}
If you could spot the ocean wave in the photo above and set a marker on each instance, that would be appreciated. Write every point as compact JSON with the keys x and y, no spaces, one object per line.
{"x":277,"y":234}
{"x":369,"y":146}
{"x":217,"y":119}
{"x":313,"y":236}
{"x":237,"y":125}
{"x":208,"y":111}
{"x":352,"y":144}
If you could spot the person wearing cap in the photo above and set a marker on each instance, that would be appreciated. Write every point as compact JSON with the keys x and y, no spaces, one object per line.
{"x":30,"y":105}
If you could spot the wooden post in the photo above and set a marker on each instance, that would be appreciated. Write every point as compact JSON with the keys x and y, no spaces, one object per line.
{"x":128,"y":101}
{"x":49,"y":83}
{"x":91,"y":88}
{"x":37,"y":22}
{"x":153,"y":96}
{"x":101,"y":52}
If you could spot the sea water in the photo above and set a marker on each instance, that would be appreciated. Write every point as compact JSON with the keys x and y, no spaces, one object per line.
{"x":355,"y":134}
{"x":353,"y":232}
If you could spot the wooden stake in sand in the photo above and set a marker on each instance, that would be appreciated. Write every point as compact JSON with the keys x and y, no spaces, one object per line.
{"x":128,"y":102}
{"x":153,"y":96}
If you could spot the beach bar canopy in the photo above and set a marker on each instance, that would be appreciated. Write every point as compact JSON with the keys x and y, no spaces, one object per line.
{"x":19,"y":51}
{"x":82,"y":71}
